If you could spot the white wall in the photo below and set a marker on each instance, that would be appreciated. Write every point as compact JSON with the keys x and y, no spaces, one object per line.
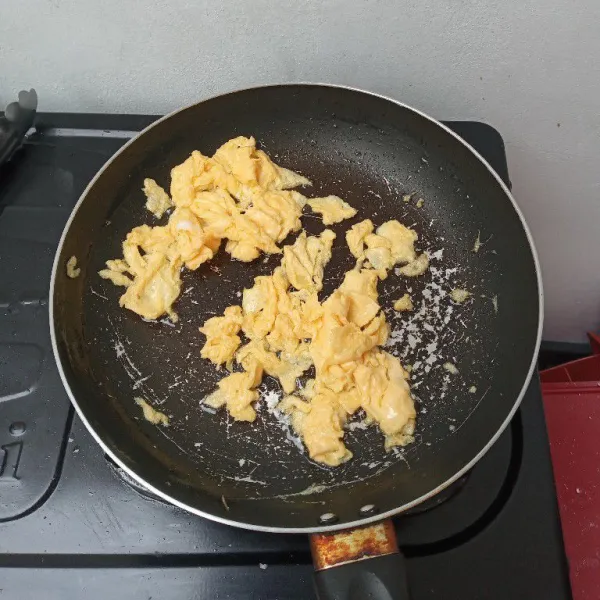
{"x":531,"y":69}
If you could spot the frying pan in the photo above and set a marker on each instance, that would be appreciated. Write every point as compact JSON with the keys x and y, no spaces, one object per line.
{"x":371,"y":151}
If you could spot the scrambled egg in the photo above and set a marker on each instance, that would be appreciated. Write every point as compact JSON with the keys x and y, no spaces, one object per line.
{"x":355,"y":238}
{"x":304,"y":262}
{"x":391,"y":244}
{"x":352,"y":372}
{"x":153,"y":280}
{"x":416,"y":267}
{"x":157,"y":200}
{"x":290,"y":330}
{"x":237,"y":392}
{"x":151,"y":414}
{"x":459,"y":296}
{"x":403,"y":304}
{"x":240,"y":197}
{"x":73,"y":270}
{"x":451,"y":368}
{"x":277,"y":317}
{"x":332,"y":209}
{"x":222,"y":339}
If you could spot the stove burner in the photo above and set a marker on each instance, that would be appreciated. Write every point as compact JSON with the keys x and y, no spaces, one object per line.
{"x":441,"y":497}
{"x":70,"y":519}
{"x":131,"y":482}
{"x":425,"y":506}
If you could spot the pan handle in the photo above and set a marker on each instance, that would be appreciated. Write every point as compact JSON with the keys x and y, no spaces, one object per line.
{"x":359,"y":563}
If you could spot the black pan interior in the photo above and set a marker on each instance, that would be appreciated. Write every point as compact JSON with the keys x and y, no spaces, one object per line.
{"x":370,"y":151}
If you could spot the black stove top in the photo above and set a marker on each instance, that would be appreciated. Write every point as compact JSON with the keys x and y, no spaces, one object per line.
{"x":71,"y":526}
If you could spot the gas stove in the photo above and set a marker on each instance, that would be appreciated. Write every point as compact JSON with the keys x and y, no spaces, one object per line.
{"x":72,"y":525}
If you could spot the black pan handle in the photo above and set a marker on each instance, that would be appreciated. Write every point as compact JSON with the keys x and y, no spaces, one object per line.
{"x":381,"y":578}
{"x":360,"y":564}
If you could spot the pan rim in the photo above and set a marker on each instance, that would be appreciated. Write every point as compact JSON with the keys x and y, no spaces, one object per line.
{"x":303,"y":530}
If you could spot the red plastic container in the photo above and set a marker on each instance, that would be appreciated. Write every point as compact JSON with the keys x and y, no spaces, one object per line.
{"x":572,"y":405}
{"x":582,"y":371}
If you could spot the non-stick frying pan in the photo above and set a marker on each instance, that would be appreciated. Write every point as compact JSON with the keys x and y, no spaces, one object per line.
{"x":371,"y":151}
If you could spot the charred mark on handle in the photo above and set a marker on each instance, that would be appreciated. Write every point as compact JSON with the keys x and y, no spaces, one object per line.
{"x":351,"y":545}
